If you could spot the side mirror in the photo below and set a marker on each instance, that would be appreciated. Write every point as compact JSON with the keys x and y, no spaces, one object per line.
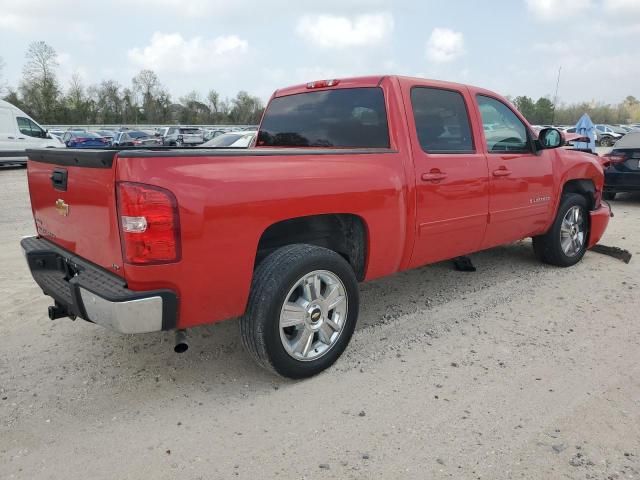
{"x":550,"y":138}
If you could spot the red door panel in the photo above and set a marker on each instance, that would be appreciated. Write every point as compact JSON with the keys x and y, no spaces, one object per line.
{"x":451,"y":175}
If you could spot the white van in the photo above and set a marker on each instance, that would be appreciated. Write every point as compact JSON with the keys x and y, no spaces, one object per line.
{"x":18,"y":131}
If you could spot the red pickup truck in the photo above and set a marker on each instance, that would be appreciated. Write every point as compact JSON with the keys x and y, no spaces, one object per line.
{"x":348,"y":180}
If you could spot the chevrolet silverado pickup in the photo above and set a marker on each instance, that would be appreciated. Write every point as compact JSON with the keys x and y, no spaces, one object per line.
{"x":348,"y":180}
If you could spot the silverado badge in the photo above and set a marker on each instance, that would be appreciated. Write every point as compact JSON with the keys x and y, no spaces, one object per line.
{"x":62,"y":208}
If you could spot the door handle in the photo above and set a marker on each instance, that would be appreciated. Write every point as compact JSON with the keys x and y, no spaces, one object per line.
{"x":11,"y":138}
{"x":501,"y":172}
{"x":434,"y":176}
{"x":20,"y":138}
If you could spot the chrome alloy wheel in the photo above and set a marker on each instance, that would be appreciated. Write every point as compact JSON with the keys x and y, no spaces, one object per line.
{"x":313,"y":315}
{"x":573,"y":231}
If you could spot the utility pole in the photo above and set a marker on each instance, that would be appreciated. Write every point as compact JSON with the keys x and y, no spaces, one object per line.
{"x":555,"y":97}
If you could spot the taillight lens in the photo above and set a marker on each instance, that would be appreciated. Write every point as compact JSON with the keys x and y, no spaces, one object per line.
{"x":149,"y":224}
{"x":617,"y":158}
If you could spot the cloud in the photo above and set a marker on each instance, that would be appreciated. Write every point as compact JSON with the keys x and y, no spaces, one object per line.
{"x":444,"y":45}
{"x":171,"y":52}
{"x":552,"y":10}
{"x":331,"y":31}
{"x":622,"y":7}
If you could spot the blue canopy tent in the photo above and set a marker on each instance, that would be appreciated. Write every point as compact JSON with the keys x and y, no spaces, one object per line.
{"x":586,"y":128}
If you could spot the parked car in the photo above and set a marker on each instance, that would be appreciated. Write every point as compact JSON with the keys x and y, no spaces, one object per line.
{"x":183,"y":136}
{"x":210,"y":133}
{"x":240,"y":139}
{"x":84,"y":139}
{"x":106,"y":134}
{"x":606,"y":135}
{"x":161,"y":132}
{"x":622,"y":167}
{"x":351,"y":180}
{"x":18,"y":131}
{"x":135,"y":138}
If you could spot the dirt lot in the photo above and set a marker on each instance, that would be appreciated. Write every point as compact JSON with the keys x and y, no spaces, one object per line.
{"x":516,"y":371}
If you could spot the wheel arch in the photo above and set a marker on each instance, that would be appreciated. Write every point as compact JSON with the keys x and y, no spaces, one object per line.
{"x":581,"y":186}
{"x":344,"y":233}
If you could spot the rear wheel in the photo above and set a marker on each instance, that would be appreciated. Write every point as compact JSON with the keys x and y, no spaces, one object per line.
{"x":565,"y":243}
{"x":302,"y":310}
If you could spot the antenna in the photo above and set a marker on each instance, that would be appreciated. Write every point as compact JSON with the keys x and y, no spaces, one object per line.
{"x":555,"y":97}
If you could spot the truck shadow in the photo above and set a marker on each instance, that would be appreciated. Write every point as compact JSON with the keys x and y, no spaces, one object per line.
{"x":73,"y":357}
{"x":216,"y":360}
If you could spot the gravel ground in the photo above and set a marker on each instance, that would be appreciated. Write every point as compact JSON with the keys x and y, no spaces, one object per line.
{"x":518,"y":370}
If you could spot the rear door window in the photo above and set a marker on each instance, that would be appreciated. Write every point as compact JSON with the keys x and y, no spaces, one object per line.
{"x":347,"y":118}
{"x":442,"y":121}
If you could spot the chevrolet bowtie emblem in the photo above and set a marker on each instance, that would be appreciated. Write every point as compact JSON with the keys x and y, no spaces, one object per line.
{"x":62,"y":208}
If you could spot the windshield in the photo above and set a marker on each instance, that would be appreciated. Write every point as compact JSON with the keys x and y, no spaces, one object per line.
{"x":349,"y":117}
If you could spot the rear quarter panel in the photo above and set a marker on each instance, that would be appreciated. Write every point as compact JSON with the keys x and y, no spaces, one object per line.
{"x":226,"y":203}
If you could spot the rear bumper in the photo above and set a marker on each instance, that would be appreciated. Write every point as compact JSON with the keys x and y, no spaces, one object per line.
{"x":82,"y":289}
{"x":599,"y":221}
{"x":615,"y":181}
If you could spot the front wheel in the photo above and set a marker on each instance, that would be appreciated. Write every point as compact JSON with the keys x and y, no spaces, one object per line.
{"x":565,"y":243}
{"x":609,"y":195}
{"x":302,"y":310}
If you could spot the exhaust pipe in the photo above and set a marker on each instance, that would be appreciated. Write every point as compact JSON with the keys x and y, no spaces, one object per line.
{"x":181,"y":342}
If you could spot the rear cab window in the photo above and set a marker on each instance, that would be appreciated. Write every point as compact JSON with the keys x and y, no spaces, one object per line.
{"x":342,"y":118}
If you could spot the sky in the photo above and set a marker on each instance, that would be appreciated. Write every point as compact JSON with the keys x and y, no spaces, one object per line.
{"x":514,"y":47}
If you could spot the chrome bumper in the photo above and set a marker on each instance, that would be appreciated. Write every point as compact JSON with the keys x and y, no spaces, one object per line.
{"x":131,"y":316}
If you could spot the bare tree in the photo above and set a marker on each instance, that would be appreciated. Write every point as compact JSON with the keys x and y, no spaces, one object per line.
{"x":245,"y":109}
{"x":39,"y":86}
{"x":148,"y":86}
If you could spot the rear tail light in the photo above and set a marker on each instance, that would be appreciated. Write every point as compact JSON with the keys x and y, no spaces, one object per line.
{"x":149,"y":224}
{"x":616,"y":158}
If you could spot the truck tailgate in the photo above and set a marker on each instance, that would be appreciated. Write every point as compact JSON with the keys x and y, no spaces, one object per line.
{"x":74,"y":203}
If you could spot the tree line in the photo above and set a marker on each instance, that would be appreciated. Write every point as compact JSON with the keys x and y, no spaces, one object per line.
{"x":144,"y":101}
{"x":544,"y":112}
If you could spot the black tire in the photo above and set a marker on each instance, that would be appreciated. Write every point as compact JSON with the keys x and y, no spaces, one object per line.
{"x":609,"y":195}
{"x":272,"y":281}
{"x":548,"y":248}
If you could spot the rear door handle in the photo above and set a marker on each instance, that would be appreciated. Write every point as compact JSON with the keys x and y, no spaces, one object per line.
{"x":434,"y":176}
{"x":11,"y":138}
{"x":501,"y":172}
